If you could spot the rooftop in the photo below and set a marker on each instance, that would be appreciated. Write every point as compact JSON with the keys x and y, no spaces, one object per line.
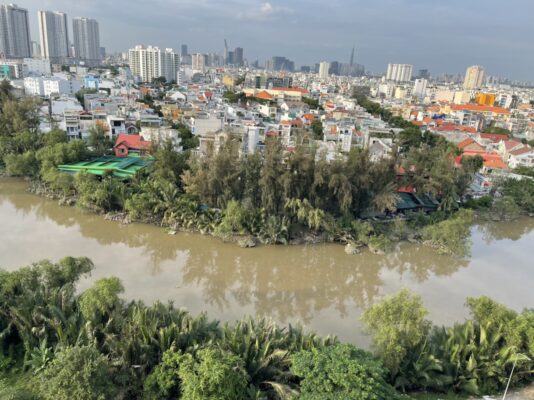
{"x":122,"y":167}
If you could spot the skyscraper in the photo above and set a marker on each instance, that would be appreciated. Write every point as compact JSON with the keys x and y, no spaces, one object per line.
{"x":86,"y":40}
{"x":352,"y":57}
{"x":14,"y":32}
{"x":54,"y":35}
{"x":150,"y":62}
{"x":184,"y":50}
{"x":238,"y":56}
{"x":198,"y":62}
{"x":399,"y":72}
{"x":324,"y":66}
{"x":474,"y":77}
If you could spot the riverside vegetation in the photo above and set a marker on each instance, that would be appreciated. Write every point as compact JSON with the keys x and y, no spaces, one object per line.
{"x":278,"y":198}
{"x":58,"y":344}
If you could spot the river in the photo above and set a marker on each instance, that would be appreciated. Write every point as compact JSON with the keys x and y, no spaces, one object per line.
{"x":319,"y":286}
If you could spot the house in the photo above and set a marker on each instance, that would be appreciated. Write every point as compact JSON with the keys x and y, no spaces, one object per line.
{"x":470,"y":146}
{"x":131,"y":145}
{"x":522,"y":157}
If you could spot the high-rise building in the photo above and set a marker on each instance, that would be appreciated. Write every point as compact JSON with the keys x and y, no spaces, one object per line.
{"x":399,"y":72}
{"x":183,"y":51}
{"x":419,"y":88}
{"x":86,"y":40}
{"x":334,"y":68}
{"x":278,"y":63}
{"x":474,"y":77}
{"x":238,"y":56}
{"x":423,"y":74}
{"x":198,"y":62}
{"x":324,"y":66}
{"x":14,"y":32}
{"x":54,"y":35}
{"x":150,"y":62}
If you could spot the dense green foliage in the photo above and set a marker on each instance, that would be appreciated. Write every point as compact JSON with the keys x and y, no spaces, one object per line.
{"x":77,"y":373}
{"x":94,"y":345}
{"x":340,"y":372}
{"x":473,"y":357}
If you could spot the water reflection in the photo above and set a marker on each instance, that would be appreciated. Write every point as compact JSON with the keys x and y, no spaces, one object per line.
{"x":319,"y":285}
{"x":513,"y":230}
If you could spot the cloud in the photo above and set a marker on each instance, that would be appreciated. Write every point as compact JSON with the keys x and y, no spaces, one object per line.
{"x":262,"y":12}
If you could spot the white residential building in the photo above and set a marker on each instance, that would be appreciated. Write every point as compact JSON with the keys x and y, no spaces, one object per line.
{"x":14,"y":32}
{"x":399,"y":72}
{"x":50,"y":86}
{"x":419,"y":89}
{"x":475,"y":77}
{"x":150,"y":62}
{"x":86,"y":40}
{"x":54,"y":35}
{"x":324,"y":66}
{"x":59,"y":86}
{"x":33,"y":86}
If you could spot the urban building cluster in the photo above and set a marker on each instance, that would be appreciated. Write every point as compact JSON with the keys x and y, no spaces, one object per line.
{"x":150,"y":91}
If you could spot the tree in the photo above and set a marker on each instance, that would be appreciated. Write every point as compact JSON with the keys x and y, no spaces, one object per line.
{"x":317,"y":129}
{"x":164,"y":382}
{"x":273,"y":168}
{"x":77,"y":373}
{"x":340,"y":371}
{"x":397,"y":325}
{"x":99,"y":141}
{"x":168,"y":164}
{"x":497,"y":130}
{"x":212,"y":374}
{"x":472,"y":164}
{"x":101,"y":300}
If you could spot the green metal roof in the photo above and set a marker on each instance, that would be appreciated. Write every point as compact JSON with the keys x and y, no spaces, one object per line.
{"x":405,"y":201}
{"x":122,"y":167}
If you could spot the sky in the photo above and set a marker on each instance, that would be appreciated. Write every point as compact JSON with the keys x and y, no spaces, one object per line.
{"x":439,"y":35}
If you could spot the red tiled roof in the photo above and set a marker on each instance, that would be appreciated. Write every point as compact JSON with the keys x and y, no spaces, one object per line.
{"x":132,"y":141}
{"x":448,"y":127}
{"x":522,"y":150}
{"x":510,"y":144}
{"x":494,"y":137}
{"x":264,"y":96}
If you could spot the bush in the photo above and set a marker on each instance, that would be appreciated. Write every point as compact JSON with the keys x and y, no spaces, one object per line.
{"x":212,"y":374}
{"x":77,"y":373}
{"x":340,"y":372}
{"x":451,"y":235}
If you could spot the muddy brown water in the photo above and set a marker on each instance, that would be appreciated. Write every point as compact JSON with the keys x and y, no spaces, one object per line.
{"x":319,"y":286}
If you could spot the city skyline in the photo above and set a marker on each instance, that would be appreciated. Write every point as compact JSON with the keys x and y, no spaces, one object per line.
{"x":444,"y":38}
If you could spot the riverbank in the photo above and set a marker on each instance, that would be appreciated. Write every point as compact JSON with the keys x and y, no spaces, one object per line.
{"x":445,"y":233}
